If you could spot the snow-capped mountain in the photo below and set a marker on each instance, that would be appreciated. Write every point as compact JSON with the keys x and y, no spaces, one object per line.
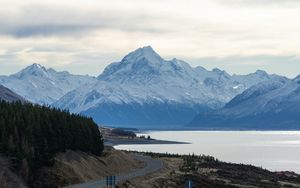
{"x":144,"y":89}
{"x":43,"y":86}
{"x":274,"y":104}
{"x":9,"y":96}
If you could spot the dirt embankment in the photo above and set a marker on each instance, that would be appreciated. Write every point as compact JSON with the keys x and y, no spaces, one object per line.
{"x":71,"y":168}
{"x":78,"y":167}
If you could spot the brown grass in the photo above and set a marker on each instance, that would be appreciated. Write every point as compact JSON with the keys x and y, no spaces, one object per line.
{"x":78,"y":167}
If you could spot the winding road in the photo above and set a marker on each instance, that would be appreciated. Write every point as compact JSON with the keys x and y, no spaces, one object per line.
{"x":152,"y":165}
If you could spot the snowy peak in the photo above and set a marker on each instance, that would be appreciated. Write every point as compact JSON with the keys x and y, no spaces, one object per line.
{"x":38,"y":71}
{"x":139,"y":62}
{"x":145,"y":66}
{"x":32,"y":70}
{"x":36,"y":66}
{"x":146,"y":53}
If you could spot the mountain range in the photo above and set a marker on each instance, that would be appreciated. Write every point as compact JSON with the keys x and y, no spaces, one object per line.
{"x":43,"y":86}
{"x":274,"y":104}
{"x":143,"y":90}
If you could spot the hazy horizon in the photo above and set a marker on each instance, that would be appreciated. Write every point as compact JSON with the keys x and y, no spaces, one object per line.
{"x":239,"y":36}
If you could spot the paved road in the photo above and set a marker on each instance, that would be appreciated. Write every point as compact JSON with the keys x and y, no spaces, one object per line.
{"x":152,"y":165}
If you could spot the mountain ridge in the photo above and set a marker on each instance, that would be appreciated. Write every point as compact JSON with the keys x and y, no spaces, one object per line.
{"x":41,"y":85}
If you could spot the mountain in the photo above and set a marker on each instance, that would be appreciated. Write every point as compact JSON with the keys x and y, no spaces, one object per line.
{"x":144,"y":90}
{"x":273,"y":104}
{"x":43,"y":86}
{"x":8,"y":95}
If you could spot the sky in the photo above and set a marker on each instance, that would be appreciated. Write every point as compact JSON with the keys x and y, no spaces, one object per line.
{"x":84,"y":36}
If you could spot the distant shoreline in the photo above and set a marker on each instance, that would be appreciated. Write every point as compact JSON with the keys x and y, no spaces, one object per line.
{"x":123,"y":141}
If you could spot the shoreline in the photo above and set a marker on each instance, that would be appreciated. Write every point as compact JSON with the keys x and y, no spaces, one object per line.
{"x":124,"y":141}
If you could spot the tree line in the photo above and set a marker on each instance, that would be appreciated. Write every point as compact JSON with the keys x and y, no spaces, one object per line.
{"x":33,"y":135}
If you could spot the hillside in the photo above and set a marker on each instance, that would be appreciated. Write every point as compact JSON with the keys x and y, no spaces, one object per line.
{"x":31,"y":136}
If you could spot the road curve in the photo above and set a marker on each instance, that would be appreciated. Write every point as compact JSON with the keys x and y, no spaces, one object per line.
{"x":152,"y":165}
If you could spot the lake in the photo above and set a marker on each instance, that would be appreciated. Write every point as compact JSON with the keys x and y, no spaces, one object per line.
{"x":273,"y":150}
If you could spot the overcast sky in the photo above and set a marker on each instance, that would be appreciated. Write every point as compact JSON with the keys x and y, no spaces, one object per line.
{"x":84,"y":36}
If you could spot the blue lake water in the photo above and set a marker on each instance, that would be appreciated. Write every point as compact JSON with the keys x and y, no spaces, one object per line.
{"x":273,"y":150}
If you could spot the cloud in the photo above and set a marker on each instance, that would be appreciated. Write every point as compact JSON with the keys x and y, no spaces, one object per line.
{"x":44,"y":20}
{"x":48,"y":30}
{"x":97,"y":32}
